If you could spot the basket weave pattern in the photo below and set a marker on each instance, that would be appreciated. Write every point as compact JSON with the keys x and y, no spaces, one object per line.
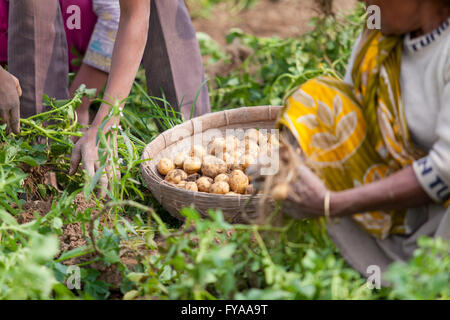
{"x":201,"y":130}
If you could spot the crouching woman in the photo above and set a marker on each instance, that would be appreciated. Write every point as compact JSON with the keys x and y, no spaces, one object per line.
{"x":379,"y":141}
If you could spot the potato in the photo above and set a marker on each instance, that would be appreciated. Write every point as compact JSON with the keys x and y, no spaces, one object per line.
{"x":191,"y":186}
{"x":220,"y":187}
{"x":176,"y":176}
{"x":244,"y":162}
{"x":222,"y":177}
{"x":251,"y":134}
{"x":251,"y":147}
{"x":165,"y":165}
{"x":231,"y":193}
{"x":182,"y":184}
{"x":231,"y":143}
{"x":262,"y":137}
{"x":212,"y":166}
{"x":179,"y":159}
{"x":236,"y":155}
{"x":273,"y":140}
{"x":217,"y":146}
{"x":280,"y":192}
{"x":197,"y":151}
{"x":204,"y":184}
{"x":228,"y":158}
{"x":250,"y":189}
{"x":238,"y":181}
{"x":192,"y":165}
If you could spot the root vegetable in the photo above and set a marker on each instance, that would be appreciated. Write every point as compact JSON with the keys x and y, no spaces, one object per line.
{"x":251,"y":134}
{"x":179,"y":159}
{"x":262,"y":138}
{"x":213,"y":166}
{"x":204,"y":184}
{"x":251,"y":147}
{"x":231,"y":143}
{"x":222,"y":177}
{"x":238,"y":181}
{"x":191,"y":186}
{"x":197,"y":151}
{"x":273,"y":140}
{"x":192,"y":165}
{"x":165,"y":165}
{"x":228,"y":158}
{"x":280,"y":192}
{"x":182,"y":184}
{"x":244,"y":162}
{"x":220,"y":187}
{"x":176,"y":176}
{"x":217,"y":146}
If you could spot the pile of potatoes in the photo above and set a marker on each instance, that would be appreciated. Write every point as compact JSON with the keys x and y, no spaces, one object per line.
{"x":219,"y":168}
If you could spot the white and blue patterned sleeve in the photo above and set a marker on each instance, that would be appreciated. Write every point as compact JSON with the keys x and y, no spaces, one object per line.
{"x":433,"y":171}
{"x":101,"y":45}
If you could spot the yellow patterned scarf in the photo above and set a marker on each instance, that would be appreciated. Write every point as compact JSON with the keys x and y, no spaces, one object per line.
{"x":354,"y":135}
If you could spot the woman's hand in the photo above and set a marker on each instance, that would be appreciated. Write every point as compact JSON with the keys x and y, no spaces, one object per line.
{"x":10,"y":92}
{"x":306,"y":196}
{"x":85,"y":149}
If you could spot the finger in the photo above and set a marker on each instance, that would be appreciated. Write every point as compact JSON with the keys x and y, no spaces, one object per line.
{"x":15,"y":119}
{"x":18,"y":88}
{"x":4,"y":114}
{"x":89,"y":166}
{"x":75,"y":159}
{"x":103,"y":184}
{"x":304,"y":171}
{"x":103,"y":181}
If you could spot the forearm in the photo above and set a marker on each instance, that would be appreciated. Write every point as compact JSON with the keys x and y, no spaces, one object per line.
{"x":401,"y":190}
{"x":128,"y":52}
{"x":92,"y":77}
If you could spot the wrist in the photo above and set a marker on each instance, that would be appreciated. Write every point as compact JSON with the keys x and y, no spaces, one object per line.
{"x":340,"y":204}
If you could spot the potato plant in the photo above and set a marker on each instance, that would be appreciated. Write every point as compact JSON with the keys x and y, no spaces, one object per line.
{"x":131,"y":248}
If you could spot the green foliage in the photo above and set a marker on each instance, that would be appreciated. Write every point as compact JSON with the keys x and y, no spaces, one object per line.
{"x":203,"y":8}
{"x":216,"y":260}
{"x":203,"y":258}
{"x":278,"y":65}
{"x":426,"y":275}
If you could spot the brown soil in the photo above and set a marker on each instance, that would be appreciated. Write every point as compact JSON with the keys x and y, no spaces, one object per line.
{"x":281,"y":18}
{"x":73,"y":237}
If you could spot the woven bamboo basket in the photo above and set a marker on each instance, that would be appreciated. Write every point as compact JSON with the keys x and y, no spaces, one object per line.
{"x":201,"y":130}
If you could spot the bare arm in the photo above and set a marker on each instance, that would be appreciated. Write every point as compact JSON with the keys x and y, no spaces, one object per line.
{"x":128,"y":52}
{"x":92,"y":78}
{"x":401,"y":190}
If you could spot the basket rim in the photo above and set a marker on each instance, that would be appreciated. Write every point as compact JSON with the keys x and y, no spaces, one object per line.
{"x":221,"y":120}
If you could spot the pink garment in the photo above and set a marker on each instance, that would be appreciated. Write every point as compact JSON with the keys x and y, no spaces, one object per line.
{"x":3,"y":31}
{"x":76,"y":38}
